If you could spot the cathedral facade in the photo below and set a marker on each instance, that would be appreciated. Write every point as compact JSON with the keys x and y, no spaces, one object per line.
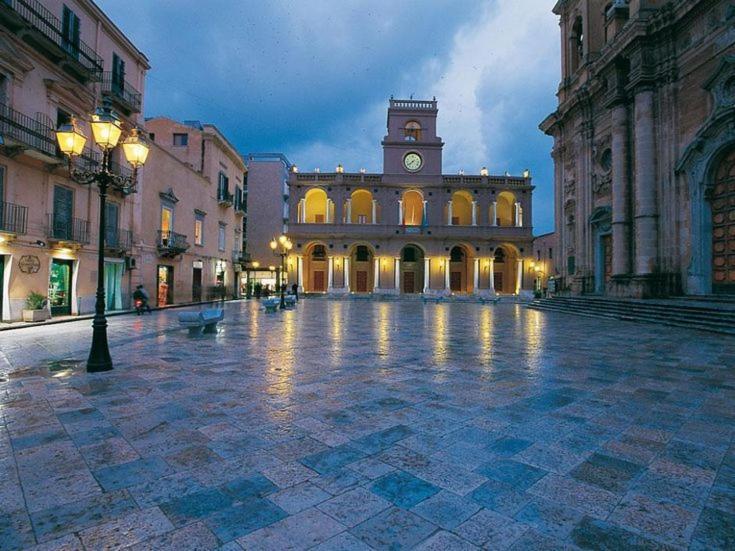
{"x":410,"y":229}
{"x":644,"y":147}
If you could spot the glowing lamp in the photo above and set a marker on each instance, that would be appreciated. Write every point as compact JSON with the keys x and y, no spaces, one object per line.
{"x":71,"y":139}
{"x":272,"y":268}
{"x":106,"y":127}
{"x":282,"y":239}
{"x":256,"y":264}
{"x":135,"y":149}
{"x":274,"y":244}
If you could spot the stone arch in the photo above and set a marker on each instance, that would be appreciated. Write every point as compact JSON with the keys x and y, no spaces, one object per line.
{"x":462,"y":206}
{"x":412,"y":265}
{"x":316,"y":206}
{"x":505,"y":267}
{"x":505,"y":210}
{"x":413,"y":208}
{"x":362,"y":267}
{"x":461,"y":268}
{"x":316,"y":267}
{"x":361,"y":207}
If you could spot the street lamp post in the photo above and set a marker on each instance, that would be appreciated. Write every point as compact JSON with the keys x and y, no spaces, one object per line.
{"x":251,"y":266}
{"x":106,"y":131}
{"x":281,"y":247}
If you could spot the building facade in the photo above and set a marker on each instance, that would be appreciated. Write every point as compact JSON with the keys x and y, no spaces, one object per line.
{"x":644,"y":147}
{"x":192,"y":213}
{"x":543,"y":263}
{"x":59,"y":59}
{"x":267,"y":193}
{"x":410,"y":229}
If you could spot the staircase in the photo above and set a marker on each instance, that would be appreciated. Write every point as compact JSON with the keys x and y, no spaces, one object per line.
{"x":713,"y":314}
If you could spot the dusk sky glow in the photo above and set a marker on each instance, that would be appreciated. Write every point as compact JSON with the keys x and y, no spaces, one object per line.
{"x":311,"y":79}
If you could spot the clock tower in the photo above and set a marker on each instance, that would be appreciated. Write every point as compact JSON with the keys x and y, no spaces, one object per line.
{"x":412,"y":149}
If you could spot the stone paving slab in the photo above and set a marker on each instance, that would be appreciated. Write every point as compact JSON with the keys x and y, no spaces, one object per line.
{"x":362,"y":425}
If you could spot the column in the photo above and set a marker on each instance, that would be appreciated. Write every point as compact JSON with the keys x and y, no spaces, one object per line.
{"x":376,"y":274}
{"x":494,"y":214}
{"x":474,"y":213}
{"x":425,"y":217}
{"x":646,"y":213}
{"x":620,"y":193}
{"x":519,"y":275}
{"x":347,"y":273}
{"x":330,"y":273}
{"x":427,"y":268}
{"x":400,"y":212}
{"x":375,"y":211}
{"x":449,"y":213}
{"x":515,"y":213}
{"x":348,"y":218}
{"x":492,"y":276}
{"x":328,"y":214}
{"x":446,"y":273}
{"x":520,"y":216}
{"x":300,"y":276}
{"x":397,"y":274}
{"x":302,"y":211}
{"x":476,"y":277}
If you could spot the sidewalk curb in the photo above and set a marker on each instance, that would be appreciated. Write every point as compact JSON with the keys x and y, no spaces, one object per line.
{"x":109,"y":315}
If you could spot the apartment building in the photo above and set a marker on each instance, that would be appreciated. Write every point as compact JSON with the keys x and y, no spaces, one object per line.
{"x":192,"y":213}
{"x":58,"y":60}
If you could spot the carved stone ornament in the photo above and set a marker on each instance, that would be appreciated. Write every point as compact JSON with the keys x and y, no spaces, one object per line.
{"x":602,"y":184}
{"x":570,"y":186}
{"x":29,"y":264}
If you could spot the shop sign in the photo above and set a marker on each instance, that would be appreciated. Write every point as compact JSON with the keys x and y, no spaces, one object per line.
{"x":29,"y":264}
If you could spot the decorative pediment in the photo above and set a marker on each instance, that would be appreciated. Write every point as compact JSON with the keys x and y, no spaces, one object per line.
{"x":169,"y":196}
{"x":78,"y":98}
{"x":722,"y":83}
{"x":601,"y":218}
{"x":13,"y":59}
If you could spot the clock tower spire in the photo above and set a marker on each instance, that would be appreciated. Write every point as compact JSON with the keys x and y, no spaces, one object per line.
{"x":411,"y":148}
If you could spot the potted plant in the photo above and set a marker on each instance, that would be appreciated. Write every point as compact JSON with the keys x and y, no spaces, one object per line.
{"x":35,"y":309}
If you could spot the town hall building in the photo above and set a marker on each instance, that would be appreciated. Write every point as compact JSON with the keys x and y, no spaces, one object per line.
{"x":410,"y":229}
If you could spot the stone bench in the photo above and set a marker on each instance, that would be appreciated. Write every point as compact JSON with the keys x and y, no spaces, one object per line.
{"x":271,"y":304}
{"x":290,"y":301}
{"x":206,"y":320}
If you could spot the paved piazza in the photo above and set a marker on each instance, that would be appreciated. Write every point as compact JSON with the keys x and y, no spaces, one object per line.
{"x":358,"y":425}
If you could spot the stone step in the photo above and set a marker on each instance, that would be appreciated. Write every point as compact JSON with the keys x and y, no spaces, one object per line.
{"x":673,"y":319}
{"x":636,"y":308}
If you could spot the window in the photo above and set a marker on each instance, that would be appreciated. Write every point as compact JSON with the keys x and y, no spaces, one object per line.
{"x":112,"y":216}
{"x":167,"y":220}
{"x":223,"y":186}
{"x":118,"y":73}
{"x":570,"y":265}
{"x":4,"y":81}
{"x":70,"y":31}
{"x":319,"y":252}
{"x":62,"y":118}
{"x":409,"y":254}
{"x":577,"y":44}
{"x":199,"y":231}
{"x":551,"y":253}
{"x":538,"y":255}
{"x":412,"y":131}
{"x":362,"y":218}
{"x":221,"y":241}
{"x":181,"y":140}
{"x":362,"y":254}
{"x":152,"y":136}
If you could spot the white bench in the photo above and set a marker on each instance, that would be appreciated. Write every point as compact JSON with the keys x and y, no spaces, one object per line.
{"x":206,"y":320}
{"x":290,"y":301}
{"x":271,"y":304}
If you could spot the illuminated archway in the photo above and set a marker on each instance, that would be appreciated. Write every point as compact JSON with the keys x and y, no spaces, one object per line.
{"x":506,"y":209}
{"x":361,"y":207}
{"x":461,"y":208}
{"x":505,"y":268}
{"x":316,"y":206}
{"x":412,"y":269}
{"x":413,"y":208}
{"x":460,"y":269}
{"x":315,"y":269}
{"x":362,"y":268}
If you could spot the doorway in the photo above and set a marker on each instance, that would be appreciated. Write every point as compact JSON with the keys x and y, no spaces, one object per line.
{"x":409,"y":282}
{"x":2,"y":284}
{"x":319,"y":281}
{"x":412,"y":272}
{"x":196,"y":285}
{"x":165,"y":285}
{"x":113,"y":285}
{"x":59,"y":290}
{"x":361,"y":281}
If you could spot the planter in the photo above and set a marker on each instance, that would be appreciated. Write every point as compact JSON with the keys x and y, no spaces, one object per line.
{"x":36,"y":315}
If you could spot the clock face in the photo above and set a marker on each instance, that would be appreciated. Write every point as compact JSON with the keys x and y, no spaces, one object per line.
{"x":412,"y":162}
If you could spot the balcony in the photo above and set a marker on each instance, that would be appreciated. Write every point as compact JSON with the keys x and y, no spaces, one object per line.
{"x":241,"y":206}
{"x":387,"y":231}
{"x":40,"y":28}
{"x":123,"y":95}
{"x":117,"y":240}
{"x":240,"y":257}
{"x":225,"y":198}
{"x":13,"y":218}
{"x":171,"y":244}
{"x":20,"y":132}
{"x":62,"y":229}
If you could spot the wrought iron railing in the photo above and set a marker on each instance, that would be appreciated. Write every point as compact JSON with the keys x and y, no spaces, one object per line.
{"x":64,"y":228}
{"x":241,"y":204}
{"x":91,"y":160}
{"x":13,"y":218}
{"x":46,"y":23}
{"x":240,"y":257}
{"x":224,"y":197}
{"x":172,"y":241}
{"x":27,"y":130}
{"x":117,"y":239}
{"x":122,"y":90}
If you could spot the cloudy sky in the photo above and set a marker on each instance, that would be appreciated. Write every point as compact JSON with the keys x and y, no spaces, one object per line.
{"x":312,"y":78}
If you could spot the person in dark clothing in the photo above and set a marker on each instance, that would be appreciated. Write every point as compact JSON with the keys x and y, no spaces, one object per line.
{"x":295,"y":291}
{"x":141,"y":299}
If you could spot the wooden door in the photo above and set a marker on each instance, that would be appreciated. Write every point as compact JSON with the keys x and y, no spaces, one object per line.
{"x":723,"y":227}
{"x":455,"y":282}
{"x":409,"y":282}
{"x":499,"y":282}
{"x":196,"y":285}
{"x":318,"y":285}
{"x":361,"y":281}
{"x":607,"y":246}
